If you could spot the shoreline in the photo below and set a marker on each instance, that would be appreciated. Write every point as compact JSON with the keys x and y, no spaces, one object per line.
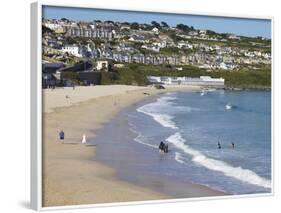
{"x":70,"y":175}
{"x":141,"y":160}
{"x":245,"y":88}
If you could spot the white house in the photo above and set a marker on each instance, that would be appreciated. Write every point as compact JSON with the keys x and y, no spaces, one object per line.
{"x":183,"y":44}
{"x":102,"y":64}
{"x":232,"y":36}
{"x":212,"y":81}
{"x":137,"y":38}
{"x":155,"y":30}
{"x":202,"y":32}
{"x":249,"y":54}
{"x":72,"y":49}
{"x":55,"y":27}
{"x":266,"y":55}
{"x":119,"y":65}
{"x":223,"y":66}
{"x":227,"y":66}
{"x":52,"y":26}
{"x":193,"y":33}
{"x":154,"y":48}
{"x":154,"y":79}
{"x":161,"y":44}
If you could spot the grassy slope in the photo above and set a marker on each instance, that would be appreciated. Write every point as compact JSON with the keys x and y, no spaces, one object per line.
{"x":136,"y":74}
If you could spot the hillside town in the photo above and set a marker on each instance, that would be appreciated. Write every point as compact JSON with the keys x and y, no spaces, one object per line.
{"x":110,"y":45}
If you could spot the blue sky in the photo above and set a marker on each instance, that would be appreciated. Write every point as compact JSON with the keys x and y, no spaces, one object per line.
{"x":239,"y":26}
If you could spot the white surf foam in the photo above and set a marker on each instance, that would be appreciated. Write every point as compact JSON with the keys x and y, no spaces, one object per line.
{"x":178,"y":157}
{"x":239,"y":173}
{"x":163,"y":119}
{"x":161,"y":111}
{"x":139,"y":139}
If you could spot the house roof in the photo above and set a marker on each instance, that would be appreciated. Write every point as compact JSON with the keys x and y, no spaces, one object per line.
{"x":53,"y":65}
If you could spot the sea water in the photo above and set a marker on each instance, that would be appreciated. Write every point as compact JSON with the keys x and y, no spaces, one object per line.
{"x":193,"y":123}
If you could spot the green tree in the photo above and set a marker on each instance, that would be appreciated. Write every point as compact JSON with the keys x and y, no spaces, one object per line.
{"x":164,"y":24}
{"x":183,"y":27}
{"x":65,"y":19}
{"x":210,"y":32}
{"x":134,"y":26}
{"x":155,"y":24}
{"x":146,"y":27}
{"x":46,"y":30}
{"x":109,"y":22}
{"x":73,"y":76}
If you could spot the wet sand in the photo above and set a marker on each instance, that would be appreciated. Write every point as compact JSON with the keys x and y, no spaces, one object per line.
{"x":71,"y":175}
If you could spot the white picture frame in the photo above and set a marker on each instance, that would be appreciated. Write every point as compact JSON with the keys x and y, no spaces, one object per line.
{"x":36,"y":104}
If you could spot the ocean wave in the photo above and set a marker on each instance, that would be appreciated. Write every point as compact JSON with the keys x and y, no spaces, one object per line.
{"x":163,"y":109}
{"x":239,"y":173}
{"x":163,"y":119}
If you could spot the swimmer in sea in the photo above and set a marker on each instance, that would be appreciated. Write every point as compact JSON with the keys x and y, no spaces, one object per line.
{"x":219,"y":145}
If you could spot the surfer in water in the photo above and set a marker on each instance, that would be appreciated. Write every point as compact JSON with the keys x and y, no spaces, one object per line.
{"x":219,"y":145}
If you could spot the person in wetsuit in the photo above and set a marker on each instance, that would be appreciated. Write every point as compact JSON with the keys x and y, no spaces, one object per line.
{"x":161,"y":146}
{"x":166,"y":148}
{"x":219,"y":145}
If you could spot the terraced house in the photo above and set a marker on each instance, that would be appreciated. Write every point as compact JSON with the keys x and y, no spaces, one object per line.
{"x":101,"y":33}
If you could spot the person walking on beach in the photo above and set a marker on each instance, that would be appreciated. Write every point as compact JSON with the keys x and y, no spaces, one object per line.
{"x":232,"y":145}
{"x":84,"y":139}
{"x":61,"y":136}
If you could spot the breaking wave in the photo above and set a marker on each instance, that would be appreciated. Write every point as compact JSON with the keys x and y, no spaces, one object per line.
{"x":163,"y":119}
{"x":244,"y":175}
{"x":166,"y":107}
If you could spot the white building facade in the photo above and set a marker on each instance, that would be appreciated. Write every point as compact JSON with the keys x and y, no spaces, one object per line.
{"x":72,"y":49}
{"x":201,"y":81}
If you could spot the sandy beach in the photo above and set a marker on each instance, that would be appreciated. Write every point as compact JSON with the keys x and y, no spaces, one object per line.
{"x":70,"y":175}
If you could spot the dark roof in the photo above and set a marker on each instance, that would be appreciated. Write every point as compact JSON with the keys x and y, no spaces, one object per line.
{"x":82,"y":66}
{"x":53,"y":65}
{"x":93,"y":77}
